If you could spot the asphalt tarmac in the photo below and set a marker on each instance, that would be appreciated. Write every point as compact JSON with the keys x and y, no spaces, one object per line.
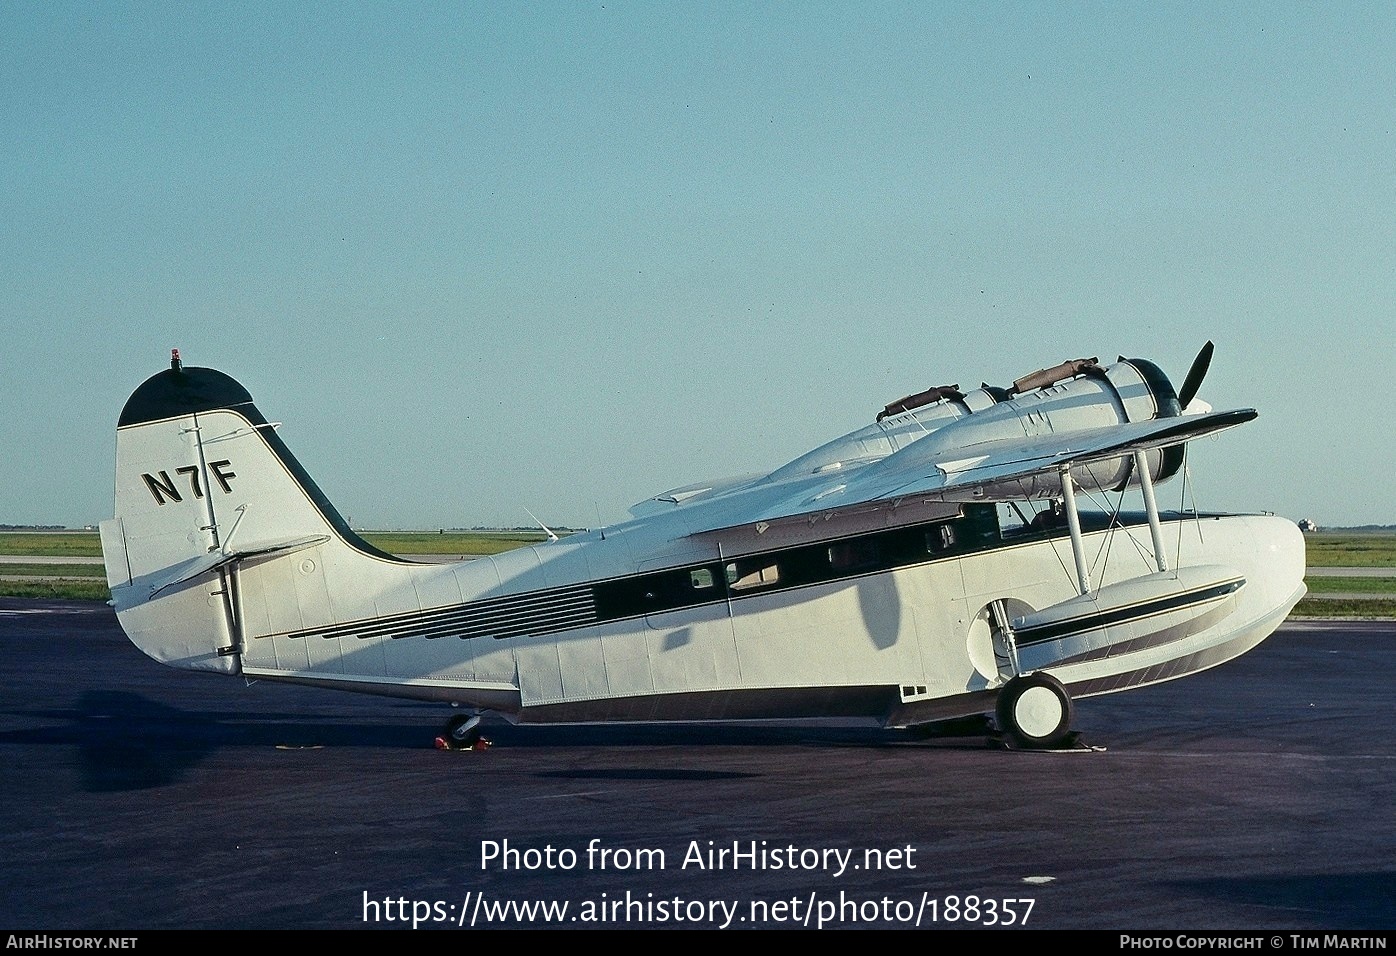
{"x":1256,"y":796}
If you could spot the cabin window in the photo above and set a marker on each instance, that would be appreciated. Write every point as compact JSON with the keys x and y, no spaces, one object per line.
{"x":700,"y":578}
{"x":853,"y":555}
{"x":743,"y":575}
{"x":979,"y":527}
{"x":940,"y":538}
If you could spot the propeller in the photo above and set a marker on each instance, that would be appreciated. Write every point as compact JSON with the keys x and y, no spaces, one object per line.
{"x":1195,"y":375}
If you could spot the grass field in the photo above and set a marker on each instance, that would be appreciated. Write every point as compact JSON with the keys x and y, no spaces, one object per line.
{"x":86,"y":544}
{"x":408,"y":543}
{"x":1365,"y":607}
{"x":1375,"y":549}
{"x":56,"y":570}
{"x":58,"y":590}
{"x":62,"y":544}
{"x":1325,"y":549}
{"x":1326,"y":585}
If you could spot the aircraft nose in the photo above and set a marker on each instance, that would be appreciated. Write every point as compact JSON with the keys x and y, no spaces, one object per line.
{"x":1284,"y":553}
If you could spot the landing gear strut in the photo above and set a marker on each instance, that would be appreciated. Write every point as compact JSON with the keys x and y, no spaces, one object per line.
{"x":462,"y":732}
{"x":1034,"y":712}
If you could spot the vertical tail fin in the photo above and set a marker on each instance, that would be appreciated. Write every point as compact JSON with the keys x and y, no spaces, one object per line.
{"x":202,"y":481}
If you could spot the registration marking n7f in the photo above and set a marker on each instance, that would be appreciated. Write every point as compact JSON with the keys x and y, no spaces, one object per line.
{"x":164,"y":488}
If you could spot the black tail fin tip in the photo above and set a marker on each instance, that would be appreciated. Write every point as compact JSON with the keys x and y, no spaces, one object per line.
{"x":181,"y":391}
{"x":184,"y":391}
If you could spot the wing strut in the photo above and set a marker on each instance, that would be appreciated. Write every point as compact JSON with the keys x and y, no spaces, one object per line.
{"x":1146,"y":484}
{"x":1073,"y":518}
{"x":1073,"y":523}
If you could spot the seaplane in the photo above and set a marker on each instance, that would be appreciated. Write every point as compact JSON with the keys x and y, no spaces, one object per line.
{"x":932,"y":567}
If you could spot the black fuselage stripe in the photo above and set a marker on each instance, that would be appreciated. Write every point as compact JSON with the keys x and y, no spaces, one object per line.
{"x":1028,"y":636}
{"x":539,"y":603}
{"x":534,"y":607}
{"x":576,"y":606}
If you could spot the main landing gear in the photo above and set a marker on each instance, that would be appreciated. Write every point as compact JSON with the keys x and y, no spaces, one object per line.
{"x":1034,"y":713}
{"x":462,"y":732}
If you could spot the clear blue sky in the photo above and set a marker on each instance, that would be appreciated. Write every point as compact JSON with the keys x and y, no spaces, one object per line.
{"x":482,"y":257}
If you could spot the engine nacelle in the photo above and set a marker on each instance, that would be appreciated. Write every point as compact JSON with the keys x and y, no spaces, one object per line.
{"x":1128,"y":391}
{"x":1090,"y":396}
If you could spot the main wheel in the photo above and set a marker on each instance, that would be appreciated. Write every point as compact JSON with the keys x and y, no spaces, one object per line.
{"x":462,"y":731}
{"x":1034,"y":710}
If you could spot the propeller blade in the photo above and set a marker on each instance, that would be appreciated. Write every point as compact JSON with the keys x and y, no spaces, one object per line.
{"x":1195,"y":375}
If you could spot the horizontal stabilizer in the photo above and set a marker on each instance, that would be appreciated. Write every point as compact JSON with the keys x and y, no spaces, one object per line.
{"x":203,"y":564}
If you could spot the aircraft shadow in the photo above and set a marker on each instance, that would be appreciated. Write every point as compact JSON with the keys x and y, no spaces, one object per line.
{"x":693,"y":734}
{"x":125,"y":741}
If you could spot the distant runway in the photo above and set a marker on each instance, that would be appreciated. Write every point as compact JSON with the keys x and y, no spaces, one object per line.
{"x":1255,"y":796}
{"x":1352,"y":572}
{"x":46,"y":559}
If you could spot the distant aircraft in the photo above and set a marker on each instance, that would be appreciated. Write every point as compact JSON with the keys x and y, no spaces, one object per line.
{"x":929,"y":567}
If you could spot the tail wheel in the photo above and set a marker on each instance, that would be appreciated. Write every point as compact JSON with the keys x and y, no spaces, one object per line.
{"x":1034,"y":710}
{"x":462,"y":731}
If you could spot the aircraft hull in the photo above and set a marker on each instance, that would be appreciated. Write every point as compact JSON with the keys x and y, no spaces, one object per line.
{"x":898,"y":646}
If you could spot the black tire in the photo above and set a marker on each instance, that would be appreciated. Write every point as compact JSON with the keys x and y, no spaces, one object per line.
{"x":1034,"y":711}
{"x":462,"y":731}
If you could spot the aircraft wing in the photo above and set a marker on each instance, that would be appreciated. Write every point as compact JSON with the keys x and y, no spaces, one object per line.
{"x":997,"y":470}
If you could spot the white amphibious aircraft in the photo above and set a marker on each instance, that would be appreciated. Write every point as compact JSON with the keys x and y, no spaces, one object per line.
{"x":929,"y":567}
